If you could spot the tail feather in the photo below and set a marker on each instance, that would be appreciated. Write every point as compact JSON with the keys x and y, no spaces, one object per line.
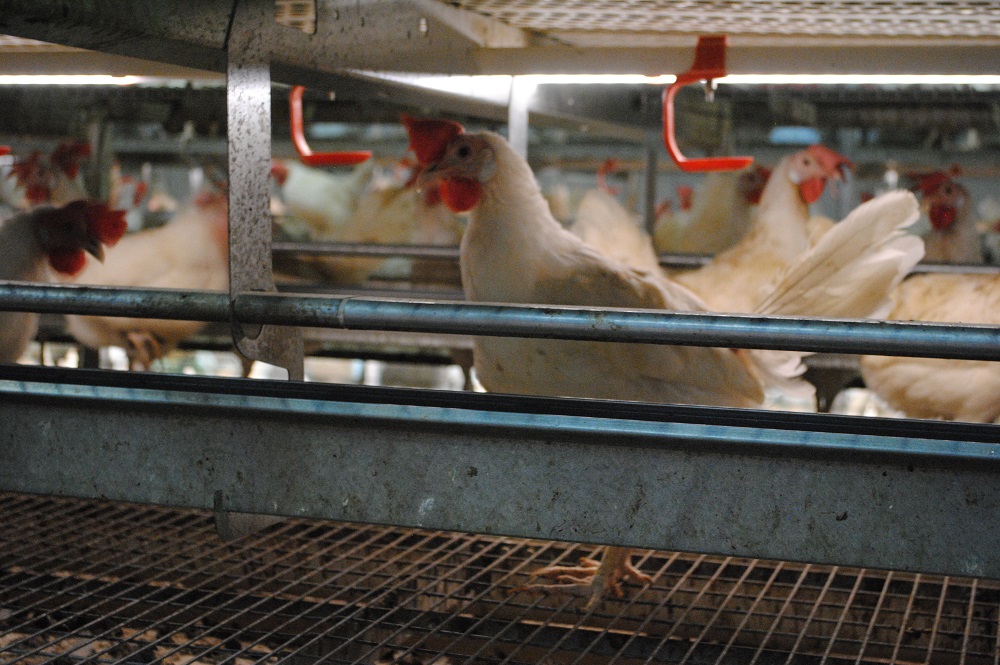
{"x":855,"y":266}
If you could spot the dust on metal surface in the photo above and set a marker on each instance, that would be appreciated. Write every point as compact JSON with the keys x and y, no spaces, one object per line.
{"x":248,"y":100}
{"x":848,"y":498}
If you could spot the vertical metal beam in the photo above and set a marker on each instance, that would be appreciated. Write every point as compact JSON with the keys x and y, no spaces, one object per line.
{"x":652,"y":171}
{"x":100,"y":135}
{"x":521,"y":91}
{"x":248,"y":102}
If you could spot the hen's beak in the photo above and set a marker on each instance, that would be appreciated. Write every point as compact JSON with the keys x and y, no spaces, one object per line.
{"x":835,"y":164}
{"x":94,"y":247}
{"x":429,"y":174}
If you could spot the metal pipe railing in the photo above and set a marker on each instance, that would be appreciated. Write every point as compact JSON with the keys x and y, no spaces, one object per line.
{"x":451,"y":253}
{"x":491,"y":319}
{"x":436,"y":252}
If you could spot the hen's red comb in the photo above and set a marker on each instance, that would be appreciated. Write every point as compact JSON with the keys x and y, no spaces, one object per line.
{"x":685,"y":195}
{"x":429,"y":138}
{"x":930,"y":183}
{"x":830,"y":160}
{"x":279,"y":171}
{"x":68,"y":155}
{"x":141,"y":188}
{"x":103,"y":223}
{"x":24,"y":170}
{"x":31,"y":175}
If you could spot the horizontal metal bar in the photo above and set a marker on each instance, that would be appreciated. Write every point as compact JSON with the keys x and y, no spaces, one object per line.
{"x":694,"y":261}
{"x":103,"y":301}
{"x":638,"y":326}
{"x":393,"y":290}
{"x":684,"y":261}
{"x":955,"y":269}
{"x":366,"y":249}
{"x":850,"y":499}
{"x":669,"y":260}
{"x":498,"y":402}
{"x":532,"y":321}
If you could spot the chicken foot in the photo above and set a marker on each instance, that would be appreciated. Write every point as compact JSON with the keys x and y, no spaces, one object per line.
{"x":142,"y":349}
{"x":593,"y":579}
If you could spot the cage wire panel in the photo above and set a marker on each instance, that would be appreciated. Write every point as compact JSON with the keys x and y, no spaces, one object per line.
{"x":590,"y":22}
{"x":103,"y":582}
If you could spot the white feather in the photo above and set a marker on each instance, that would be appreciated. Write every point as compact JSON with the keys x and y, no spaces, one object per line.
{"x":854,"y":267}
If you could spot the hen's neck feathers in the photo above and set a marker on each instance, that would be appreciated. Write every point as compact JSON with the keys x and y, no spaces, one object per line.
{"x":782,"y":193}
{"x":782,"y":215}
{"x":958,"y":244}
{"x":513,"y":188}
{"x":512,"y":222}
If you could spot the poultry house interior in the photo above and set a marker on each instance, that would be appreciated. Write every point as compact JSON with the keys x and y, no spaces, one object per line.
{"x":332,"y":461}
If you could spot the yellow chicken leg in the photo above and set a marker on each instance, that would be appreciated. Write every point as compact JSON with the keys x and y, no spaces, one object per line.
{"x":142,"y":349}
{"x":591,"y":578}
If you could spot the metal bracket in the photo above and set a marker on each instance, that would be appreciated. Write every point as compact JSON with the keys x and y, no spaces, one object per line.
{"x":231,"y":526}
{"x":248,"y":102}
{"x":709,"y":64}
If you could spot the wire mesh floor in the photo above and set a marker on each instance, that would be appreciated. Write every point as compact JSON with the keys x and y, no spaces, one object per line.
{"x":102,"y":582}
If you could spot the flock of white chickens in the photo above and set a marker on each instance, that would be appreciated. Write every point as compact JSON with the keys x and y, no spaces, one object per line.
{"x":190,"y":251}
{"x":771,"y":257}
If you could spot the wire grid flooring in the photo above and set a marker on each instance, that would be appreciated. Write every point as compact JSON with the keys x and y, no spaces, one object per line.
{"x":104,"y":582}
{"x":580,"y":21}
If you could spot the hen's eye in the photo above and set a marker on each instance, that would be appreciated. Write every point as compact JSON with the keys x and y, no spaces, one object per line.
{"x":464,"y":151}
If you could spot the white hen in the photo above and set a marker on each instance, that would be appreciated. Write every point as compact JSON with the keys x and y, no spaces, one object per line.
{"x":953,"y":237}
{"x":514,"y":251}
{"x":323,"y":200}
{"x":966,"y":390}
{"x":188,"y":252}
{"x":33,"y":241}
{"x":737,"y":279}
{"x":607,"y":226}
{"x":719,"y":216}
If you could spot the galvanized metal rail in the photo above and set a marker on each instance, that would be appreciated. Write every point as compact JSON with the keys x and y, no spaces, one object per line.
{"x":444,"y":253}
{"x":433,"y":252}
{"x":904,"y":495}
{"x":579,"y":323}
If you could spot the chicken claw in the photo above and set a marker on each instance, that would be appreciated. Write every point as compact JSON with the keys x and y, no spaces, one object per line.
{"x":142,"y":349}
{"x":592,"y":579}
